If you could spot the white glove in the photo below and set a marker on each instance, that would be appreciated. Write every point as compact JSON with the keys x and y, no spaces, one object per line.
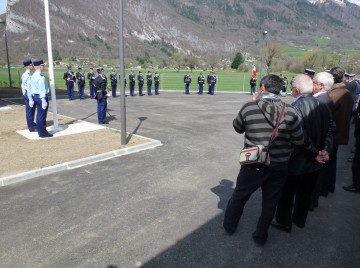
{"x":44,"y":104}
{"x":31,"y":103}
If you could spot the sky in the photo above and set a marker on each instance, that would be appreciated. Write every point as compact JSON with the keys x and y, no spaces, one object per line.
{"x":3,"y":6}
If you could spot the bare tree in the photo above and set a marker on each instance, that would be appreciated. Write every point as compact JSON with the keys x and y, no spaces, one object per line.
{"x":272,"y":51}
{"x":178,"y":60}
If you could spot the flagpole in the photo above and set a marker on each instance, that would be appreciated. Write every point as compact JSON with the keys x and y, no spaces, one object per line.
{"x":51,"y":66}
{"x":122,"y":84}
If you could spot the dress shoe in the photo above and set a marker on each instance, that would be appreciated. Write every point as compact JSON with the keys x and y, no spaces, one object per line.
{"x":32,"y":130}
{"x":298,"y":223}
{"x":351,"y":188}
{"x":48,"y":135}
{"x":229,"y":231}
{"x":281,"y":227}
{"x":258,"y":240}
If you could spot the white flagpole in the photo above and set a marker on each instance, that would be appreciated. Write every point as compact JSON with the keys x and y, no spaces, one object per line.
{"x":122,"y":72}
{"x":51,"y":65}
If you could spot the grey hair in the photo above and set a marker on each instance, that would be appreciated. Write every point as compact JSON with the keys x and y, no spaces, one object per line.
{"x":326,"y":79}
{"x":303,"y":83}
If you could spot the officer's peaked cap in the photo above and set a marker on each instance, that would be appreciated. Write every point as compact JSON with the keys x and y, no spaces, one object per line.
{"x":27,"y":62}
{"x":38,"y":62}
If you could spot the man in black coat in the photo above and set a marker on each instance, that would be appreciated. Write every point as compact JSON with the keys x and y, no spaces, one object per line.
{"x":305,"y":162}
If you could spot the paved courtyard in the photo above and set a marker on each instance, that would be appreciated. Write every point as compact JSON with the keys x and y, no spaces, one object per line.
{"x":164,"y":207}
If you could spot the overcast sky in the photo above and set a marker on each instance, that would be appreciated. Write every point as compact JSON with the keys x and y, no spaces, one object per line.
{"x":3,"y":6}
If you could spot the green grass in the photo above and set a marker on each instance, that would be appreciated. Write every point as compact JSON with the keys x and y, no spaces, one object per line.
{"x":169,"y":79}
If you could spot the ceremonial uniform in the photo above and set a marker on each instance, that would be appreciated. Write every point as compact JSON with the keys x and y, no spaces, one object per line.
{"x":81,"y":83}
{"x":212,"y":83}
{"x":149,"y":83}
{"x":187,"y":82}
{"x":70,"y":79}
{"x":132,"y":83}
{"x":157,"y":83}
{"x":252,"y":85}
{"x":40,"y":90}
{"x":113,"y":81}
{"x":208,"y":82}
{"x":28,"y":98}
{"x":201,"y":81}
{"x":101,"y":95}
{"x":91,"y":77}
{"x":140,"y":78}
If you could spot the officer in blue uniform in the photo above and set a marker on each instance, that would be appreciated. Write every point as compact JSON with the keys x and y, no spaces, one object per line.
{"x":91,"y":77}
{"x":70,"y":79}
{"x":80,"y":77}
{"x":149,"y":83}
{"x":40,"y":89}
{"x":157,"y":83}
{"x":132,"y":83}
{"x":101,"y":95}
{"x":212,"y":83}
{"x":208,"y":82}
{"x":113,"y":81}
{"x":30,"y":106}
{"x":201,"y":81}
{"x":187,"y":82}
{"x":140,"y":79}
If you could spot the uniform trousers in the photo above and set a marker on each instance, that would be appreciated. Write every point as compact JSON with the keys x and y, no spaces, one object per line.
{"x":156,"y":89}
{"x":92,"y":92}
{"x":113,"y":90}
{"x":187,"y":88}
{"x":140,"y":90}
{"x":252,"y":89}
{"x":132,"y":90}
{"x":201,"y":88}
{"x":70,"y":90}
{"x":149,"y":89}
{"x":301,"y":188}
{"x":271,"y":179}
{"x":30,"y":114}
{"x":41,"y":116}
{"x":81,"y":90}
{"x":101,"y":107}
{"x":212,"y":89}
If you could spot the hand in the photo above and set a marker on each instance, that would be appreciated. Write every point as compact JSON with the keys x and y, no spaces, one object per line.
{"x":322,"y":157}
{"x":31,"y":103}
{"x":44,"y":104}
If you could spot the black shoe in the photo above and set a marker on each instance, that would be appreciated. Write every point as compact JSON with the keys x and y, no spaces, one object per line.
{"x":47,"y":135}
{"x":259,"y":241}
{"x":298,"y":223}
{"x":32,"y":130}
{"x":351,"y":188}
{"x":229,"y":230}
{"x":281,"y":227}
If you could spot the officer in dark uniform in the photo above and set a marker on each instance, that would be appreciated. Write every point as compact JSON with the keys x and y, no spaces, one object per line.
{"x":91,"y":77}
{"x":201,"y":81}
{"x":140,"y":78}
{"x":113,"y":81}
{"x":212,"y":83}
{"x":101,"y":95}
{"x":157,"y":83}
{"x":149,"y":83}
{"x":208,"y":82}
{"x":80,"y":77}
{"x":70,"y":79}
{"x":187,"y":82}
{"x":132,"y":83}
{"x":253,"y":85}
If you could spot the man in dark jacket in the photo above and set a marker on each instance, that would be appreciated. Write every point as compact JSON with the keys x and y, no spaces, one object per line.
{"x":257,"y":120}
{"x":305,"y":162}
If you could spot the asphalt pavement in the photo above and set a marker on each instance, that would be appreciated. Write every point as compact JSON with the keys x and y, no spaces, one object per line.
{"x":164,"y":207}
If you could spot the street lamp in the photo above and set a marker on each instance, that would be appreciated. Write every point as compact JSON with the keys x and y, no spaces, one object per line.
{"x":7,"y":53}
{"x":263,"y":65}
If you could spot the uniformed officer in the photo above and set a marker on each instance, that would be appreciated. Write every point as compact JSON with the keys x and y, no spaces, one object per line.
{"x":101,"y":95}
{"x":187,"y":82}
{"x":201,"y":81}
{"x":157,"y":83}
{"x":70,"y":79}
{"x":40,"y":89}
{"x":253,"y":85}
{"x":208,"y":82}
{"x":149,"y":83}
{"x":113,"y":81}
{"x":212,"y":83}
{"x":132,"y":83}
{"x":80,"y":77}
{"x":28,"y":97}
{"x":140,"y":78}
{"x":91,"y":77}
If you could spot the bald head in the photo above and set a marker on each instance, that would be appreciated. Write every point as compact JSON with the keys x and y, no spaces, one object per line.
{"x":302,"y":84}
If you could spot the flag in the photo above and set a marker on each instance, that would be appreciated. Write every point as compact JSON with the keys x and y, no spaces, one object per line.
{"x":253,"y":71}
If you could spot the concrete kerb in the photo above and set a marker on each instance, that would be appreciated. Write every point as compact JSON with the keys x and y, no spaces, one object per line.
{"x":79,"y":162}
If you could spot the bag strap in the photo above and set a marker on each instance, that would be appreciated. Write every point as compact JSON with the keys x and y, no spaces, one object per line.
{"x":275,"y":131}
